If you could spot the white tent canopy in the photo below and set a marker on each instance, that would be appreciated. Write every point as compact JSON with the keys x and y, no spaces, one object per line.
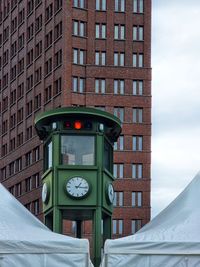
{"x":25,"y":241}
{"x":172,"y":238}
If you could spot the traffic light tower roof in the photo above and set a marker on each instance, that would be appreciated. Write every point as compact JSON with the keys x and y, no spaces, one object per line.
{"x":44,"y":120}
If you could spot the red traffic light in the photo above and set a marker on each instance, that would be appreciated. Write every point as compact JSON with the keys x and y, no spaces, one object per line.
{"x":78,"y":125}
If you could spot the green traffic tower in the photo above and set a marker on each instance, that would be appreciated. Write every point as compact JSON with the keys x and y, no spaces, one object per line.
{"x":78,"y":170}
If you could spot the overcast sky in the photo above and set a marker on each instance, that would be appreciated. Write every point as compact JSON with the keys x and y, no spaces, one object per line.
{"x":176,"y":98}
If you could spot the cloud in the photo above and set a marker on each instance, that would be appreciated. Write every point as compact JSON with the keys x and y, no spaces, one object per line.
{"x":176,"y":98}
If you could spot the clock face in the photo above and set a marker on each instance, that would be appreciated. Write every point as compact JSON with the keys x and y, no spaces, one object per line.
{"x":45,"y":192}
{"x":77,"y":187}
{"x":110,"y":193}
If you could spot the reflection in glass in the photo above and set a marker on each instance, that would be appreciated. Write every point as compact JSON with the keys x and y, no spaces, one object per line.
{"x":77,"y":150}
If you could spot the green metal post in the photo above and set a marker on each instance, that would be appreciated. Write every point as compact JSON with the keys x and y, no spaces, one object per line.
{"x":57,"y":220}
{"x":97,"y":236}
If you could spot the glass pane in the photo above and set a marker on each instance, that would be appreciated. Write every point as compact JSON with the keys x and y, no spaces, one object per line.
{"x":141,"y":6}
{"x":103,"y":86}
{"x":133,"y":171}
{"x":140,"y":60}
{"x":75,"y":28}
{"x":134,"y":60}
{"x":97,"y":31}
{"x":81,"y":87}
{"x":116,"y":5}
{"x":133,"y":226}
{"x":135,"y":5}
{"x":121,"y":87}
{"x":121,"y":170}
{"x":97,"y":4}
{"x":103,"y":58}
{"x":115,"y":59}
{"x":96,"y":86}
{"x":139,"y":171}
{"x":140,"y":139}
{"x":121,"y":59}
{"x":140,"y":87}
{"x":97,"y":58}
{"x":81,"y":29}
{"x":115,"y":86}
{"x":139,"y":200}
{"x":103,"y":31}
{"x":81,"y":56}
{"x":116,"y":31}
{"x":75,"y":84}
{"x":77,"y":150}
{"x":103,"y":4}
{"x":122,"y":5}
{"x":49,"y":155}
{"x":107,"y":156}
{"x":115,"y":170}
{"x":134,"y":33}
{"x":122,"y":32}
{"x":141,"y":33}
{"x":120,"y":227}
{"x":114,"y":226}
{"x":133,"y":199}
{"x":75,"y":57}
{"x":134,"y":87}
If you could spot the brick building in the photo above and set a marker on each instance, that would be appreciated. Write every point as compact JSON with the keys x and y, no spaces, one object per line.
{"x":94,"y":53}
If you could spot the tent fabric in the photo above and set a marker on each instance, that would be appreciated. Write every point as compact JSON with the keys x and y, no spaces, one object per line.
{"x":172,"y":238}
{"x":22,"y":233}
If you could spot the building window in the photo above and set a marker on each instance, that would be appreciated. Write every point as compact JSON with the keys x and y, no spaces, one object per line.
{"x":100,"y":58}
{"x":49,"y":12}
{"x":119,"y":87}
{"x":38,"y":75}
{"x":30,"y":31}
{"x":4,"y":150}
{"x":47,"y":93}
{"x":138,"y":33}
{"x":36,"y":179}
{"x":119,"y":32}
{"x":21,"y":16}
{"x":138,"y":6}
{"x":18,"y":164}
{"x":58,"y":58}
{"x":78,"y":56}
{"x":119,"y":112}
{"x":19,"y":139}
{"x":118,"y":171}
{"x":79,"y":3}
{"x":118,"y":199}
{"x":58,"y":30}
{"x":57,"y":86}
{"x":38,"y":49}
{"x":136,"y":225}
{"x":37,"y":102}
{"x":136,"y":199}
{"x":3,"y":173}
{"x":117,"y":226}
{"x":29,"y":108}
{"x":12,"y":168}
{"x":21,"y":65}
{"x":119,"y":59}
{"x":28,"y":158}
{"x":20,"y":115}
{"x":28,"y":206}
{"x":30,"y":57}
{"x":36,"y":207}
{"x":100,"y":86}
{"x":79,"y":28}
{"x":48,"y":66}
{"x":137,"y":115}
{"x":120,"y":5}
{"x":101,"y":5}
{"x":100,"y":31}
{"x":138,"y":61}
{"x":78,"y":84}
{"x":119,"y":145}
{"x":137,"y":171}
{"x":137,"y":87}
{"x":137,"y":143}
{"x":38,"y":23}
{"x":18,"y":189}
{"x":29,"y":82}
{"x":29,"y":132}
{"x":36,"y":154}
{"x":21,"y":41}
{"x":12,"y":144}
{"x":48,"y":39}
{"x":12,"y":120}
{"x":58,"y":5}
